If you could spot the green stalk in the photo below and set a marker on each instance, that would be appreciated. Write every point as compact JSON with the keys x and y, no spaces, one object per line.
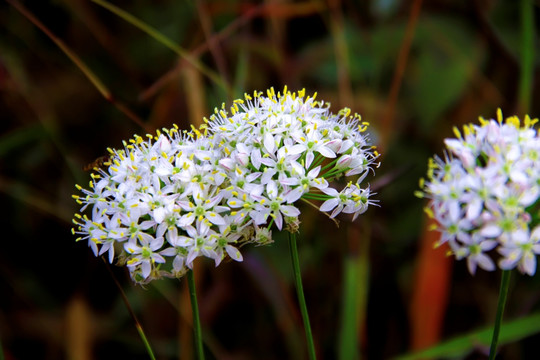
{"x":330,"y":164}
{"x":195,"y":312}
{"x":318,"y":160}
{"x":300,"y":293}
{"x":145,"y":341}
{"x":503,"y":292}
{"x":312,"y":196}
{"x":131,"y":312}
{"x":334,"y":173}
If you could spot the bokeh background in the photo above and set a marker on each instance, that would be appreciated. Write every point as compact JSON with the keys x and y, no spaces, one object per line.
{"x":375,"y":288}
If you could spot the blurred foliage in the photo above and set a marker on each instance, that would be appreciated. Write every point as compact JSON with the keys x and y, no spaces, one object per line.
{"x":58,"y":301}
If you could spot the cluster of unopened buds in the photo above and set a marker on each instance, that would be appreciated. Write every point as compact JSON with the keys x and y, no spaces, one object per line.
{"x":165,"y":200}
{"x":484,"y":194}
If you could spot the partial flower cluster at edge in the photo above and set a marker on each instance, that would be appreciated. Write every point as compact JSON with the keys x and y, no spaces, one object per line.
{"x":484,"y":194}
{"x":162,"y":201}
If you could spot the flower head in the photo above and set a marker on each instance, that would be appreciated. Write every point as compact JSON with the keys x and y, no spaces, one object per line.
{"x":165,"y":200}
{"x":290,"y":147}
{"x":484,"y":194}
{"x":158,"y":205}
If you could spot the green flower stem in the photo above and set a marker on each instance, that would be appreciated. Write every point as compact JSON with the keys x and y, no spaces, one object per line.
{"x":318,"y":160}
{"x":330,"y":164}
{"x":300,"y":293}
{"x":131,"y":312}
{"x":335,"y":173}
{"x":313,"y":196}
{"x":503,"y":292}
{"x":145,"y":341}
{"x":195,"y":311}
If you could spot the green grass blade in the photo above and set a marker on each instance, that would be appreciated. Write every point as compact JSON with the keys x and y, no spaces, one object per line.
{"x":355,"y":288}
{"x":348,"y":340}
{"x":510,"y":332}
{"x":90,"y":75}
{"x":154,"y":33}
{"x":145,"y":341}
{"x":138,"y":325}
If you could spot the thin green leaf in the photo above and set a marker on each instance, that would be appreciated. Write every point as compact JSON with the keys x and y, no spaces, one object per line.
{"x":510,"y":332}
{"x":154,"y":33}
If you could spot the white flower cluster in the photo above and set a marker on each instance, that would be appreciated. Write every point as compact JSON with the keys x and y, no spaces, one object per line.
{"x":164,"y":201}
{"x":485,"y":193}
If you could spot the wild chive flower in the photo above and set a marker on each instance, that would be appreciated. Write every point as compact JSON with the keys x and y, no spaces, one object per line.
{"x":485,"y":193}
{"x":286,"y":147}
{"x":158,"y":205}
{"x":162,"y":202}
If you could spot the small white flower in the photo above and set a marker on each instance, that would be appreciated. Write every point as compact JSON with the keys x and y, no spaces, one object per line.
{"x":274,"y":205}
{"x":202,"y":208}
{"x":144,"y":256}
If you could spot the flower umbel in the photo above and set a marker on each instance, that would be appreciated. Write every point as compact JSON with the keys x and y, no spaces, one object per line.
{"x":163,"y":201}
{"x":484,"y":194}
{"x":290,"y":147}
{"x":159,"y":205}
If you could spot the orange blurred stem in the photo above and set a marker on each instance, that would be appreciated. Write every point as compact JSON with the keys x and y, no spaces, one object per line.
{"x":430,"y":292}
{"x":387,"y":120}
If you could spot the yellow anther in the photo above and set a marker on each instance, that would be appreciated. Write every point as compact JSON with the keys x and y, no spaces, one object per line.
{"x":513,"y":120}
{"x":499,"y":116}
{"x":429,"y":212}
{"x":456,"y":132}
